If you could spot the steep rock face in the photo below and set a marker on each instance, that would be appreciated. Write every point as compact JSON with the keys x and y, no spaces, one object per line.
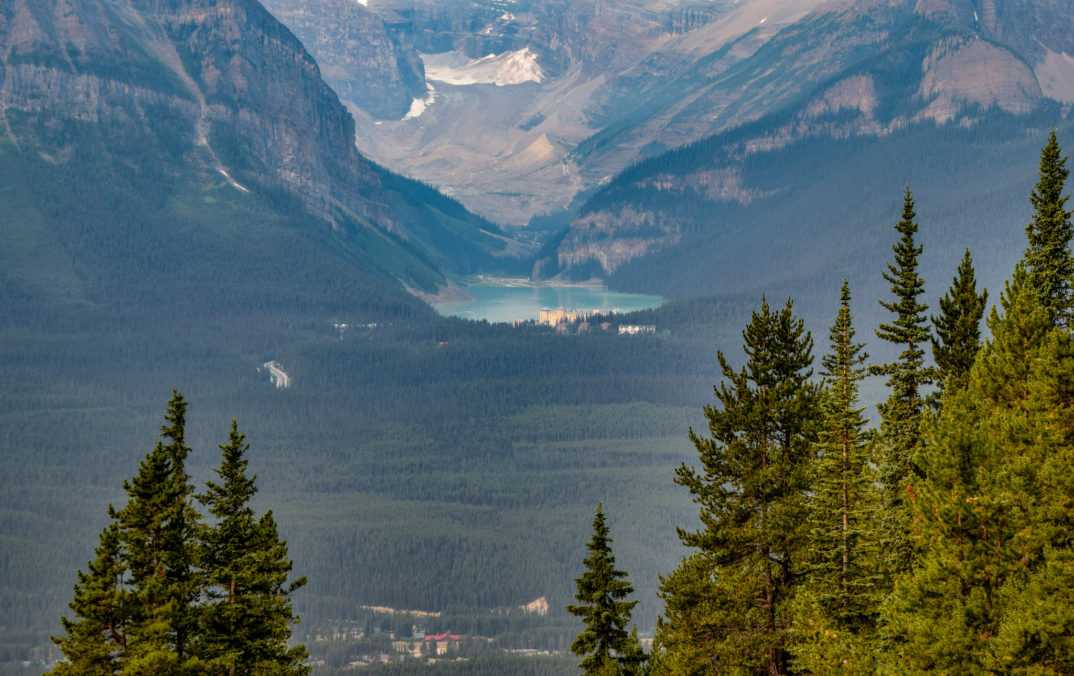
{"x":604,"y":36}
{"x":963,"y":69}
{"x":260,"y":84}
{"x":228,"y":67}
{"x":370,"y":62}
{"x":612,"y":239}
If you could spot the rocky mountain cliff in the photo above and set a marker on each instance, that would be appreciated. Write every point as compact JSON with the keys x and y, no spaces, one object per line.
{"x":500,"y":142}
{"x":369,"y":60}
{"x":157,"y":108}
{"x":625,"y":80}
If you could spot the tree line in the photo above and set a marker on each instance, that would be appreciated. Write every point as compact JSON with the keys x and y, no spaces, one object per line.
{"x":938,"y":542}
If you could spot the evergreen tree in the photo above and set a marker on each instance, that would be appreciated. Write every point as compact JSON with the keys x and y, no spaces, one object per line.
{"x":94,"y":644}
{"x":604,"y":644}
{"x":841,"y":572}
{"x":1036,"y":487}
{"x":958,"y":328}
{"x":1048,"y":257}
{"x":246,"y":620}
{"x":157,"y":530}
{"x":901,"y":414}
{"x":141,"y":607}
{"x":727,"y":607}
{"x":992,"y":516}
{"x":1017,"y":335}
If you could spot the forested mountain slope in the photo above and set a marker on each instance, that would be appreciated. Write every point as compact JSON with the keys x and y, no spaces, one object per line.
{"x":181,"y":144}
{"x":869,"y":97}
{"x":716,"y":217}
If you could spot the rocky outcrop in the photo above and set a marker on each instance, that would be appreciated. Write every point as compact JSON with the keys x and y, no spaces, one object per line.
{"x":968,"y":70}
{"x":238,"y":77}
{"x":561,"y":32}
{"x":612,"y":238}
{"x":260,"y":84}
{"x":367,"y":60}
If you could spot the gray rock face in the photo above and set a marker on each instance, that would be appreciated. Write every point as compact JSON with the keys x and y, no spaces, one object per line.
{"x":369,"y":61}
{"x":226,"y":66}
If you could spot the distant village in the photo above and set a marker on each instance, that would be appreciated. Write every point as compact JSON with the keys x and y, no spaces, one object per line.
{"x":391,"y":636}
{"x":574,"y":321}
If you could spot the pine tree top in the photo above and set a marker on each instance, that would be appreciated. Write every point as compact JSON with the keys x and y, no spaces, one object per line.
{"x":1048,"y":258}
{"x":958,"y":327}
{"x":908,"y":327}
{"x":845,"y":355}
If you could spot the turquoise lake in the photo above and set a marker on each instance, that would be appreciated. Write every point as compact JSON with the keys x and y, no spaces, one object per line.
{"x":507,"y":301}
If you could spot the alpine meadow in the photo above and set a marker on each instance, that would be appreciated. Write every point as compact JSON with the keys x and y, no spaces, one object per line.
{"x":240,"y":432}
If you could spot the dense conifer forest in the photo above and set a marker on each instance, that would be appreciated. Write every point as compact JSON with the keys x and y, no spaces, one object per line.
{"x":937,"y":542}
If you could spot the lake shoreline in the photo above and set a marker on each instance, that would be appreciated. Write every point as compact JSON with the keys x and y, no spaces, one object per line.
{"x":510,"y":300}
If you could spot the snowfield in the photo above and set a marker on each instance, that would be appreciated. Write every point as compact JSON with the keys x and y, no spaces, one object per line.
{"x":508,"y":68}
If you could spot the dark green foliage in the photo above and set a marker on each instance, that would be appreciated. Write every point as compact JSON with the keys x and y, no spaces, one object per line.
{"x":406,"y":449}
{"x":167,"y":594}
{"x":604,"y":644}
{"x":992,"y":515}
{"x":246,"y":620}
{"x":1017,"y":333}
{"x":841,"y":568}
{"x":1048,"y":258}
{"x":157,"y":531}
{"x":751,"y":490}
{"x":958,"y":328}
{"x":94,"y":642}
{"x":907,"y":376}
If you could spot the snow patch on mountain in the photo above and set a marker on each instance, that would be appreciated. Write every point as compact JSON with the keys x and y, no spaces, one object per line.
{"x":508,"y":68}
{"x":418,"y":106}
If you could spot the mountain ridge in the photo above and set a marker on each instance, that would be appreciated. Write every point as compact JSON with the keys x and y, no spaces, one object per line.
{"x":628,"y":80}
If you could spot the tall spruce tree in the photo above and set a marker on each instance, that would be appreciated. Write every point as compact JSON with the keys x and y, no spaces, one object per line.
{"x":605,"y":646}
{"x":958,"y":328}
{"x":1048,"y":258}
{"x":157,"y":530}
{"x":135,"y":603}
{"x":901,"y":413}
{"x":246,"y":621}
{"x":992,"y":517}
{"x":727,"y":607}
{"x":836,"y":622}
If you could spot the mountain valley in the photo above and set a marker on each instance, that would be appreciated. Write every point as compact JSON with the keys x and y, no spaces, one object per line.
{"x":624,"y":81}
{"x":200,"y":194}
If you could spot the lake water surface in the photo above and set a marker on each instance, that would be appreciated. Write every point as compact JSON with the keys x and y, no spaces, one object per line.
{"x":509,"y":300}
